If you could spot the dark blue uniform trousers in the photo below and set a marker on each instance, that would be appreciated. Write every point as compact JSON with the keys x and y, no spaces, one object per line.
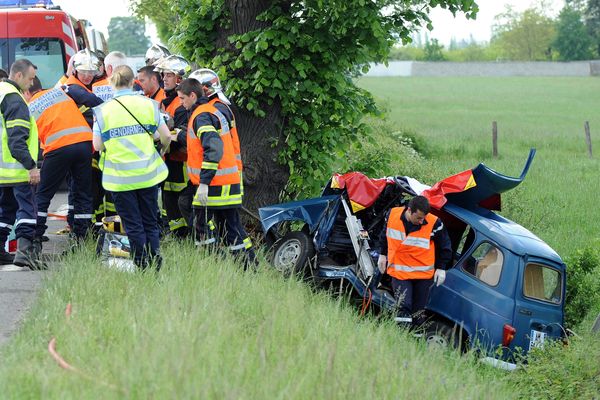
{"x":214,"y":225}
{"x":138,"y":210}
{"x":412,"y":295}
{"x":75,"y":160}
{"x":17,"y":208}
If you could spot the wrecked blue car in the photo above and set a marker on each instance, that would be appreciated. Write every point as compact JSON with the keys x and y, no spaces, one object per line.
{"x":504,"y":294}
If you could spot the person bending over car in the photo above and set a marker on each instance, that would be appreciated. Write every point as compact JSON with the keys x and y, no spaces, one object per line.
{"x":418,"y":253}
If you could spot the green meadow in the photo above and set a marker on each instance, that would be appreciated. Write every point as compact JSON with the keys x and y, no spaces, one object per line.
{"x":558,"y":200}
{"x":204,"y":329}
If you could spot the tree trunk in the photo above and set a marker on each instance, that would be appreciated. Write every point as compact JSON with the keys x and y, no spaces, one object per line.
{"x":264,"y":177}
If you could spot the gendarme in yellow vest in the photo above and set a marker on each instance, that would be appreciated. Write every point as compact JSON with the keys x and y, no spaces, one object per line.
{"x":130,"y":161}
{"x":12,"y":171}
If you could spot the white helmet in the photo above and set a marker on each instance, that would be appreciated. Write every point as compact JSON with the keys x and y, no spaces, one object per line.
{"x":155,"y":53}
{"x":85,"y":60}
{"x":174,"y":64}
{"x":209,"y":78}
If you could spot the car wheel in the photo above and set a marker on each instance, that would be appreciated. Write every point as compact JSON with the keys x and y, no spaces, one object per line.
{"x":292,"y":252}
{"x":441,"y":335}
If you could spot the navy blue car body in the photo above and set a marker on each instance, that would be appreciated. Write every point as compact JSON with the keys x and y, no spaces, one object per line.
{"x":504,"y":292}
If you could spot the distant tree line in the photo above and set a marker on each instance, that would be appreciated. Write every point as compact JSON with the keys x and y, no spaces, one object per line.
{"x":530,"y":35}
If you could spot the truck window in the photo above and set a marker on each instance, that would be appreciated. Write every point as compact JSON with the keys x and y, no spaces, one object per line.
{"x":46,"y":53}
{"x":485,"y":263}
{"x":542,"y":283}
{"x":4,"y":55}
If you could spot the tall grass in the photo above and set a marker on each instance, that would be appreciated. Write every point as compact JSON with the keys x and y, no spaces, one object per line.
{"x":202,"y":328}
{"x":558,"y":200}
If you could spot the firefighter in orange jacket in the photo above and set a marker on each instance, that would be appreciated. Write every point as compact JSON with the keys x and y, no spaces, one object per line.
{"x":418,"y":253}
{"x":66,"y":140}
{"x":150,"y":80}
{"x":212,"y":167}
{"x":174,"y":69}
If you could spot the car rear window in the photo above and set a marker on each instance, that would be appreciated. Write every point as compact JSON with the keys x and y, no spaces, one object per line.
{"x":542,"y":283}
{"x":485,"y":263}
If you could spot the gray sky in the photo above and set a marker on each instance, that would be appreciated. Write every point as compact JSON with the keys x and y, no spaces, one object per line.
{"x":99,"y":14}
{"x":445,"y":26}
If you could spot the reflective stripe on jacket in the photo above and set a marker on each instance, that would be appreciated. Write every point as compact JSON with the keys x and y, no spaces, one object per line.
{"x":227,"y":170}
{"x":235,"y":140}
{"x":410,"y":256}
{"x":130,"y":160}
{"x":179,"y":154}
{"x":12,"y":171}
{"x":58,"y":119}
{"x":103,"y":89}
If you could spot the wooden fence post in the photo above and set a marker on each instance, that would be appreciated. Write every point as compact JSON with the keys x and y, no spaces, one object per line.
{"x":495,"y":139}
{"x":588,"y":138}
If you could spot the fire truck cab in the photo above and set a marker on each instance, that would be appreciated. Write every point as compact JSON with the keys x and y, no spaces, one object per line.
{"x":41,"y":32}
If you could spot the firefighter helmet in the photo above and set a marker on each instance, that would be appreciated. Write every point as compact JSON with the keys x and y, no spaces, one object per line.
{"x":155,"y":53}
{"x":175,"y":64}
{"x":85,"y":60}
{"x":210,"y":80}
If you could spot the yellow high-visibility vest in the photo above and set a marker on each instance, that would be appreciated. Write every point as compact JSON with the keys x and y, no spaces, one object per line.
{"x":130,"y":160}
{"x":12,"y":171}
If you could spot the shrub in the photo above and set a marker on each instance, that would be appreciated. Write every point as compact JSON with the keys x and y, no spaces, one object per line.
{"x":388,"y":151}
{"x":583,"y":284}
{"x":558,"y":372}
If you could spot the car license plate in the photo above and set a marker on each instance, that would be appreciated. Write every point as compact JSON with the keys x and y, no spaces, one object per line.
{"x":536,"y":339}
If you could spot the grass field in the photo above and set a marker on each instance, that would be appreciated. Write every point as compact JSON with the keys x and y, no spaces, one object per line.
{"x":203,"y":329}
{"x":558,"y":200}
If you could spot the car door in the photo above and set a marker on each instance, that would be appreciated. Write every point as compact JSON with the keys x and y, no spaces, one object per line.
{"x":539,"y":303}
{"x":478,"y":292}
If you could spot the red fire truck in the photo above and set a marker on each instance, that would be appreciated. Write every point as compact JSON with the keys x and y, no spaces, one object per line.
{"x":41,"y":32}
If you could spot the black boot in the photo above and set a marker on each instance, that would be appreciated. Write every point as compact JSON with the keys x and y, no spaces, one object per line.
{"x":29,"y":254}
{"x":6,"y":258}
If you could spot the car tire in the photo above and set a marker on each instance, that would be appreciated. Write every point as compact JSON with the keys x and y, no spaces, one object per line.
{"x":292,"y":253}
{"x":442,"y":335}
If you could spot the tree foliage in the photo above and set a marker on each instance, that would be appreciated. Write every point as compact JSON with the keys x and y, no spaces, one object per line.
{"x":433,"y":51}
{"x":161,"y":14}
{"x":572,"y":39}
{"x":293,"y":63}
{"x":592,"y":22}
{"x":127,"y":34}
{"x":526,"y":36}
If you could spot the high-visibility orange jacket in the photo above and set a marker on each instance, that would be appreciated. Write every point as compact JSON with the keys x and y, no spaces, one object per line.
{"x":58,"y":119}
{"x":74,"y":81}
{"x":410,"y":256}
{"x":173,"y":105}
{"x":61,"y":81}
{"x":234,"y":134}
{"x":177,"y":150}
{"x":226,"y":167}
{"x":159,"y":95}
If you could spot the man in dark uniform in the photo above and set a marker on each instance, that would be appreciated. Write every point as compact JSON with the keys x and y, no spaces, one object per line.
{"x":18,"y":168}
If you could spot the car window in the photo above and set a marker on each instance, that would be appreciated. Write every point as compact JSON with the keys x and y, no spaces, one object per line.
{"x":464,"y":242}
{"x":485,"y":263}
{"x":542,"y":283}
{"x":46,"y":53}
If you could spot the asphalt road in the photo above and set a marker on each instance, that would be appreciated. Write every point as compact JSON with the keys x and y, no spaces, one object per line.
{"x":19,"y":286}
